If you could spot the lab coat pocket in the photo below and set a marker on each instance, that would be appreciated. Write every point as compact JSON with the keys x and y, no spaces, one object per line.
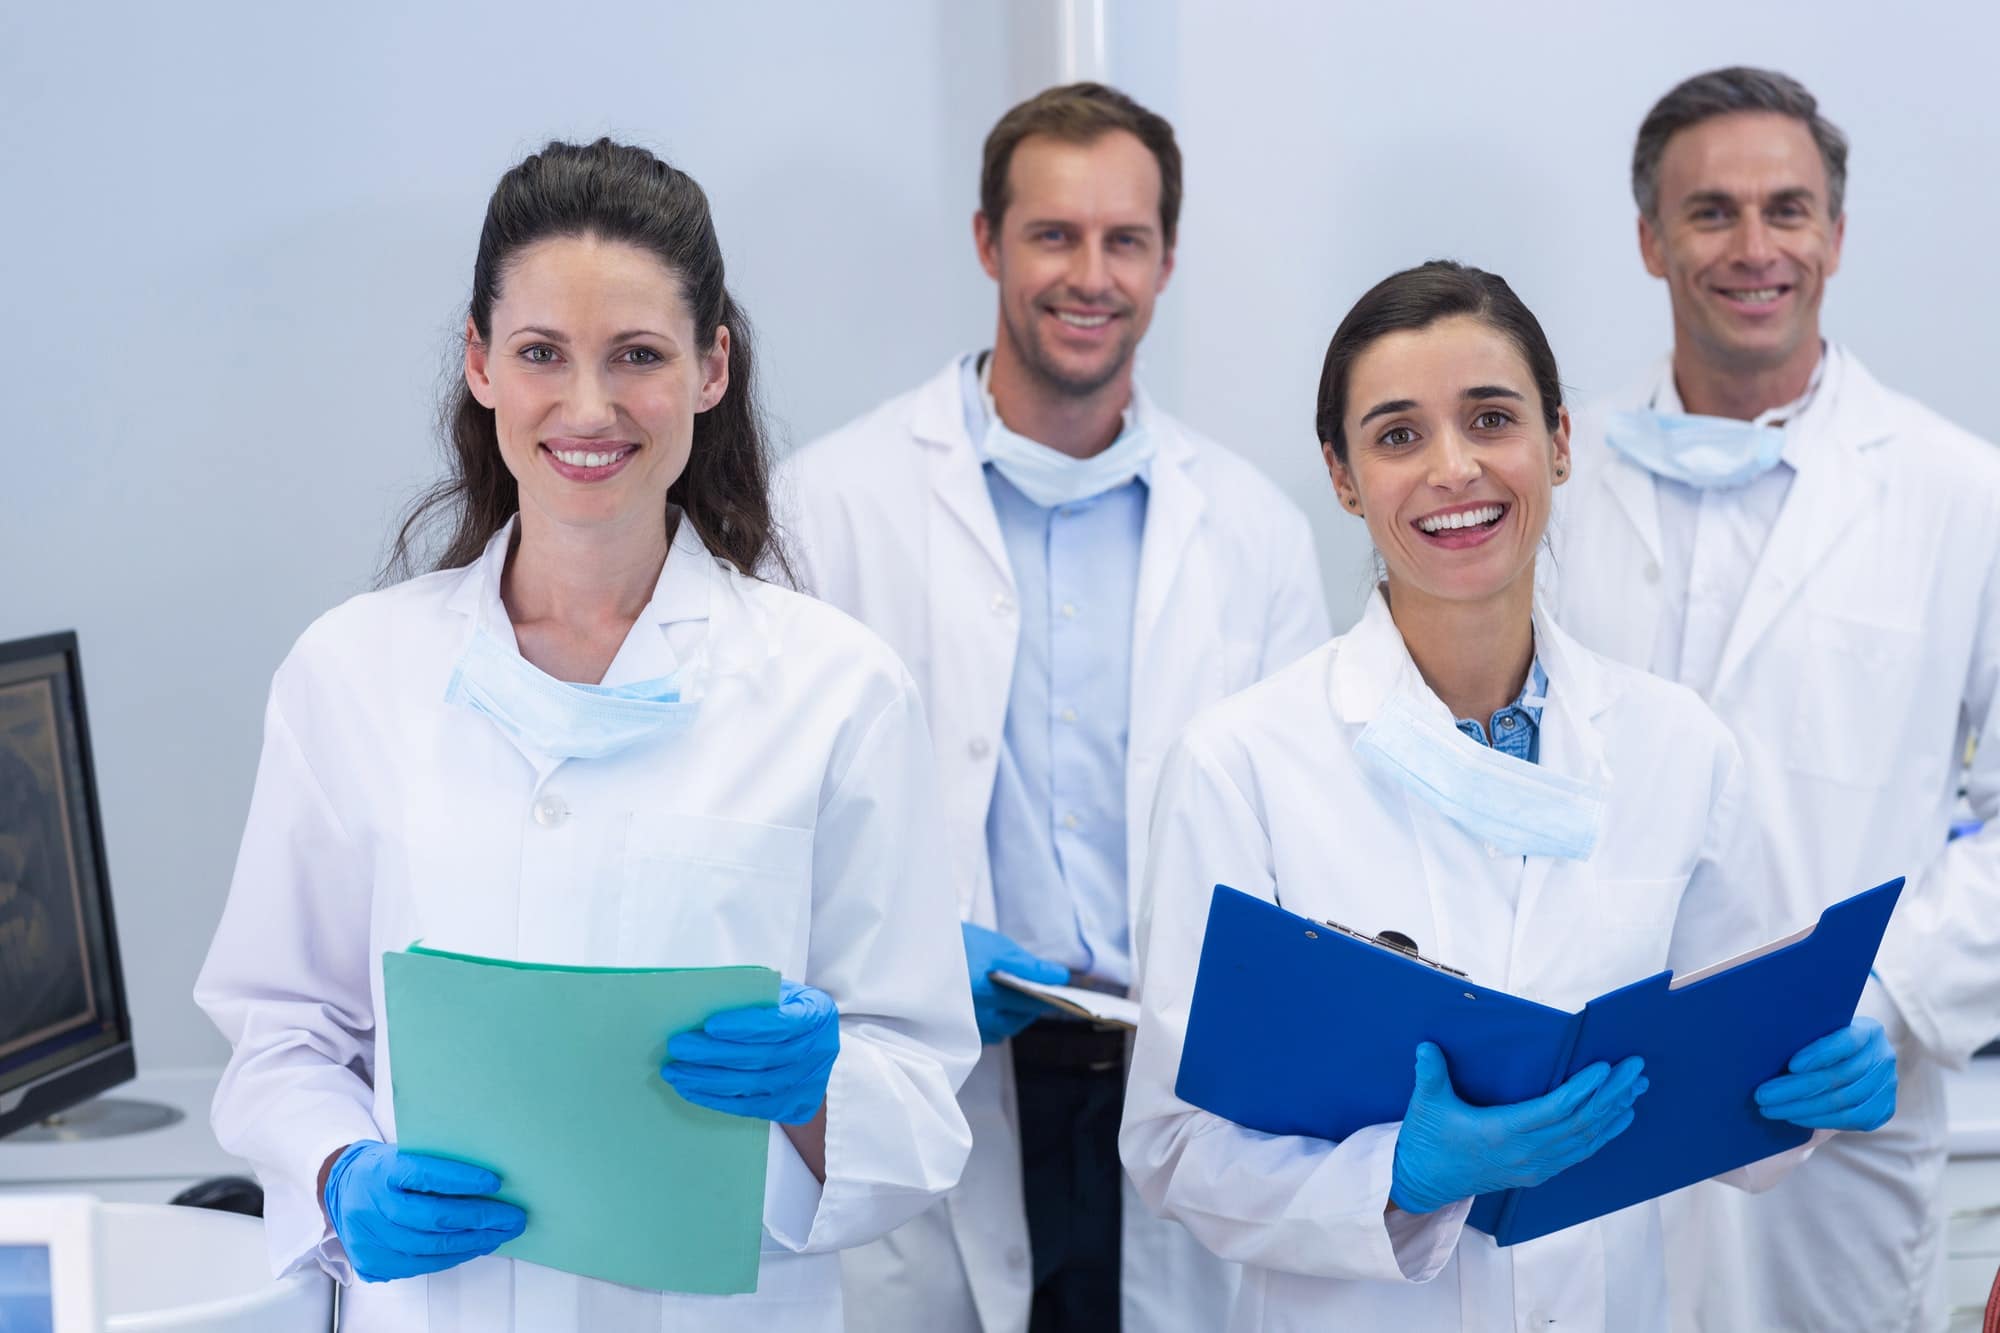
{"x":705,"y":892}
{"x":1634,"y":927}
{"x":1850,"y":695}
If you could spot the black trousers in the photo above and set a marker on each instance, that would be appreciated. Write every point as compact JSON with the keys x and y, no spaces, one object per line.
{"x":1070,"y":1080}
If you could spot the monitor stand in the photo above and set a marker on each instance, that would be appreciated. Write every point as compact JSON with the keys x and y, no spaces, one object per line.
{"x":99,"y":1118}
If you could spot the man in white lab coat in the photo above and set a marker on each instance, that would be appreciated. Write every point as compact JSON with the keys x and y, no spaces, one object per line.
{"x":1070,"y":573}
{"x":1819,"y":557}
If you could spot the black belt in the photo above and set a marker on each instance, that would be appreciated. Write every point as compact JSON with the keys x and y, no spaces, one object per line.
{"x":1077,"y":1047}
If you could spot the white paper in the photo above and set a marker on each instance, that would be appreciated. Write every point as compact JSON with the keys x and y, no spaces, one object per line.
{"x":1092,"y":1004}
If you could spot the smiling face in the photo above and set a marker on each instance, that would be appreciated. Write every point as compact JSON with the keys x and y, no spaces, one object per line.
{"x":1449,"y":459}
{"x":1745,"y":240}
{"x":595,"y":373}
{"x":1079,"y":255}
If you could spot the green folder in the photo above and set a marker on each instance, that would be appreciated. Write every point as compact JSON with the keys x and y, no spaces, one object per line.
{"x":550,"y":1076}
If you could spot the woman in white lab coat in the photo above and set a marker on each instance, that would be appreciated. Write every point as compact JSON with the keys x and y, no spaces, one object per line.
{"x":590,"y":737}
{"x":1457,"y":770}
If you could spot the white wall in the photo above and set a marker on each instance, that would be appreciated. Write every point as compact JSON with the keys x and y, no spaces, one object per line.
{"x":235,"y":250}
{"x":1328,"y":145}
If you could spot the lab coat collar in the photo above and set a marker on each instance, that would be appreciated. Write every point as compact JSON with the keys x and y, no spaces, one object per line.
{"x":1374,"y":662}
{"x":1851,"y":416}
{"x":958,"y":480}
{"x":687,"y":591}
{"x":1175,"y":501}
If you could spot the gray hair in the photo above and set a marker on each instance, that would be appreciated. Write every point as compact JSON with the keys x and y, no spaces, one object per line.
{"x":1723,"y":92}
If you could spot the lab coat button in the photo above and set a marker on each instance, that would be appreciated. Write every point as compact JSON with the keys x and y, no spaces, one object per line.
{"x":1002,"y":604}
{"x":1492,"y":851}
{"x":978,"y":749}
{"x":551,"y":811}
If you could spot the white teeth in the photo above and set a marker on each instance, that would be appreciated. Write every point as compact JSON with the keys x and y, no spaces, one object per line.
{"x":1756,"y":295}
{"x":1083,"y":321}
{"x":581,"y":458}
{"x":1464,"y":518}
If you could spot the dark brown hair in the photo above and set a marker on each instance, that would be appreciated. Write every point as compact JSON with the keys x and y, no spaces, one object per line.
{"x":1417,"y":298}
{"x":1080,"y":113}
{"x":612,"y":192}
{"x":1723,"y":92}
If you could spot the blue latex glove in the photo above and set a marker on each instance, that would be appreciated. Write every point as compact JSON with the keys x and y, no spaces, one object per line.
{"x":399,"y":1214}
{"x":764,"y":1062}
{"x":1449,"y":1150}
{"x":1002,"y":1012}
{"x":1845,"y":1080}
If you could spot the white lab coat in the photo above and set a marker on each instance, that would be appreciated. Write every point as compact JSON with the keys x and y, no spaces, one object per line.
{"x":1264,"y":793}
{"x":892,"y":521}
{"x":1866,"y":651}
{"x":788,"y":827}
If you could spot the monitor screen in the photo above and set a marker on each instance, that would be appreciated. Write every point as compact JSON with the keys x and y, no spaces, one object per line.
{"x":65,"y":1034}
{"x":27,"y":1300}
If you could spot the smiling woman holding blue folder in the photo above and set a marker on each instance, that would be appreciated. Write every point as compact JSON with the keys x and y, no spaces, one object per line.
{"x":592,"y":736}
{"x":1459,"y":774}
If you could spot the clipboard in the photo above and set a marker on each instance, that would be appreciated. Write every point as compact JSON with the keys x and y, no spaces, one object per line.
{"x":1098,"y":1006}
{"x":1297,"y":1027}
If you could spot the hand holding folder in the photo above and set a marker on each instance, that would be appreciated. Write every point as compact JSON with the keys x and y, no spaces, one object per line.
{"x":550,"y":1076}
{"x":1296,"y":1028}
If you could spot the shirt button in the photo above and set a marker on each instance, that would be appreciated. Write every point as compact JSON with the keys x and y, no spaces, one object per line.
{"x":1002,"y":604}
{"x":1068,"y":715}
{"x":1071,"y":821}
{"x":1492,"y":851}
{"x":978,"y":749}
{"x":1069,"y":610}
{"x":551,"y":811}
{"x":1652,"y":572}
{"x":1017,"y":1257}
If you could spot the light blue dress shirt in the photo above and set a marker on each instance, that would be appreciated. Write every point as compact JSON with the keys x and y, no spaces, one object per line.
{"x":1517,"y":728}
{"x":1055,"y":829}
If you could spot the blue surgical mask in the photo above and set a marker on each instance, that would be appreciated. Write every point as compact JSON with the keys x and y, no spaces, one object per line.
{"x":1050,"y":477}
{"x":555,"y":718}
{"x":1705,"y":452}
{"x":1504,"y":802}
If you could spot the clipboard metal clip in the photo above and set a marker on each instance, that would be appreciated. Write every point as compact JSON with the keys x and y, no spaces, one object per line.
{"x":1398,"y":943}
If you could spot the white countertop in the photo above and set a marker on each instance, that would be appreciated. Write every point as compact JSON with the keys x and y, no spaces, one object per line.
{"x":1973,"y":1098}
{"x":183,"y":1150}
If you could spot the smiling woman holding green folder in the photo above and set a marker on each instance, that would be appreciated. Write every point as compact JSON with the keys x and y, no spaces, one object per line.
{"x":592,"y":736}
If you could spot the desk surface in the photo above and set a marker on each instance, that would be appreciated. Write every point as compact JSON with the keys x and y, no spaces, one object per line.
{"x":183,"y":1150}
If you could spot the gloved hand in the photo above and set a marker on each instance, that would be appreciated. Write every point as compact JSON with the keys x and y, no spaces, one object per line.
{"x":399,"y":1214}
{"x":765,"y":1062}
{"x":1002,"y":1012}
{"x":1448,"y":1150}
{"x":1845,"y":1080}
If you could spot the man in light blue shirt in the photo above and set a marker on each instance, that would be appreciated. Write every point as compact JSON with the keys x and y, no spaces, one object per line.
{"x":1070,"y":574}
{"x":1056,"y":827}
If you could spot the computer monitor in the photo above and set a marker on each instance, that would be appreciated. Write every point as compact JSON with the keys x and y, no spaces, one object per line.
{"x":65,"y":1030}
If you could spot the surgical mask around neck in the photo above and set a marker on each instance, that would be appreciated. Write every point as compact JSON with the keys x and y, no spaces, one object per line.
{"x":1506,"y":803}
{"x":1050,"y":477}
{"x":1704,"y":452}
{"x":555,"y":718}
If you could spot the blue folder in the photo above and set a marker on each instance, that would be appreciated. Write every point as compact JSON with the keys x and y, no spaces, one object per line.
{"x":1299,"y":1028}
